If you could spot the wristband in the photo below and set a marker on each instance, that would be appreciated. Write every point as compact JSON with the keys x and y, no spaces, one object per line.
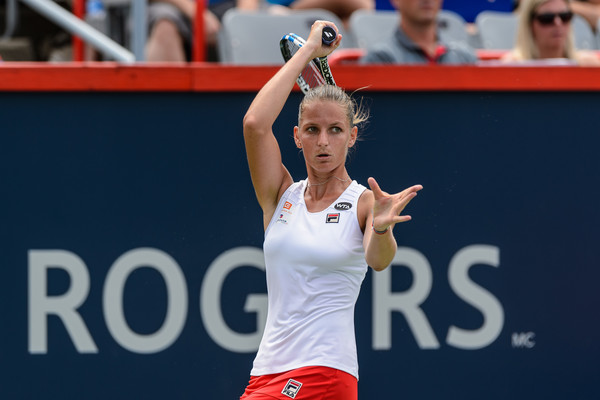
{"x":379,"y":232}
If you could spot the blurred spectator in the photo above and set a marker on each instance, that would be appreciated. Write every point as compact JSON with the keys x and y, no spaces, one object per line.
{"x":171,"y":22}
{"x":545,"y":33}
{"x":416,"y":41}
{"x":588,"y":9}
{"x":171,"y":27}
{"x":342,"y":8}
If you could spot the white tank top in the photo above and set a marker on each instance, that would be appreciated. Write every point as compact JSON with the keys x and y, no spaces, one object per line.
{"x":315,"y":265}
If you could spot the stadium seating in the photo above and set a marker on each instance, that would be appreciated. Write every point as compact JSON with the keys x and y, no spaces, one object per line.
{"x":370,"y":27}
{"x":585,"y":38}
{"x":497,"y":30}
{"x":251,"y":38}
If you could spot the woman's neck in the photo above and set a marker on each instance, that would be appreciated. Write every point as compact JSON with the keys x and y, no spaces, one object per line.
{"x":326,"y":188}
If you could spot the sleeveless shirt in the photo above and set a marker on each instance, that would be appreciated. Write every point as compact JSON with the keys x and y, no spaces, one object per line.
{"x":315,"y":265}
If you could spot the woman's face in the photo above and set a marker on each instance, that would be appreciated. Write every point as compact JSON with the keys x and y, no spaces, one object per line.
{"x":551,"y":24}
{"x":324,"y":135}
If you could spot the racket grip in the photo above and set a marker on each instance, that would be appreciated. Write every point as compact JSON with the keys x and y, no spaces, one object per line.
{"x":329,"y":35}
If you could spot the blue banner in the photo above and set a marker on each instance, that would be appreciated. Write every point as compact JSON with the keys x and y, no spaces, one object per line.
{"x":131,"y":262}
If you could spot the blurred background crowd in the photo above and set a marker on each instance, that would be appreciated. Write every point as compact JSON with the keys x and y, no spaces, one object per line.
{"x":375,"y":31}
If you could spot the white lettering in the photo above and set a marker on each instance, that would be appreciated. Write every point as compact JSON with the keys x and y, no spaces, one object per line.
{"x":408,"y":303}
{"x":475,"y":295}
{"x":210,"y":300}
{"x":64,"y":306}
{"x":176,"y":293}
{"x":385,"y":301}
{"x":524,"y":339}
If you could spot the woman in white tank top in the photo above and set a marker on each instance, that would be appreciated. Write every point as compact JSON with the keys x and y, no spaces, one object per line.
{"x":320,"y":235}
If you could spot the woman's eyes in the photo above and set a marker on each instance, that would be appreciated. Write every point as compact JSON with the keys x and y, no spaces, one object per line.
{"x":314,"y":129}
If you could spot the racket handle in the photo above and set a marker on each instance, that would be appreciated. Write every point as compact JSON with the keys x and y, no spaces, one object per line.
{"x":329,"y":35}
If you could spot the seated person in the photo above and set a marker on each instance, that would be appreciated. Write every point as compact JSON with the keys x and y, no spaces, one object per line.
{"x":416,"y":41}
{"x":171,"y":27}
{"x":545,"y":33}
{"x":588,"y":9}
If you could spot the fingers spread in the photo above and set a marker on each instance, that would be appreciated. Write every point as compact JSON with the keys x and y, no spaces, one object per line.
{"x":375,"y":187}
{"x":403,"y":200}
{"x":393,"y":204}
{"x":402,"y":218}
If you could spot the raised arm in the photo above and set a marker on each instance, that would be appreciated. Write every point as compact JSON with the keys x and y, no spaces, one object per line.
{"x":269,"y":177}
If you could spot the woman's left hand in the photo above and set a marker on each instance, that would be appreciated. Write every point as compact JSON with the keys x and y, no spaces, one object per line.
{"x":388,"y":207}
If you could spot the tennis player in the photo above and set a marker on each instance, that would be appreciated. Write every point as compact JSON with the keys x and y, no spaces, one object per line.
{"x":321,"y":234}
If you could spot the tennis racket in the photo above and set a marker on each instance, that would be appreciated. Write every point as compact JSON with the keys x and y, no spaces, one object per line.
{"x":316,"y":72}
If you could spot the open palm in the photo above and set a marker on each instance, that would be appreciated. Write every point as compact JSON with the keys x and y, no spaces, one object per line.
{"x":388,"y":207}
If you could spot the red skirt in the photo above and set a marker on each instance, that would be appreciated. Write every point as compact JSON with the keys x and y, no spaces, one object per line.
{"x":314,"y":383}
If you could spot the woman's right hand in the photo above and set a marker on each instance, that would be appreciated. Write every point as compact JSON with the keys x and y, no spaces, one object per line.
{"x":315,"y":39}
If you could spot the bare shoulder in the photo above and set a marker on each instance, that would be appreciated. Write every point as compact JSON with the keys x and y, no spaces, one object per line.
{"x":366,"y":197}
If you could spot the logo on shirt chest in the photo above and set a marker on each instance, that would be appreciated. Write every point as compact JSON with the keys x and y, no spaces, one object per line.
{"x":333,"y":218}
{"x":343,"y":206}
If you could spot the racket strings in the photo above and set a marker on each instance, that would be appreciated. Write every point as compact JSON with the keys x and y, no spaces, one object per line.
{"x":312,"y":76}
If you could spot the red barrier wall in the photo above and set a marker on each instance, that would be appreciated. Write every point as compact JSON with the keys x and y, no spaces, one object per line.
{"x":209,"y":77}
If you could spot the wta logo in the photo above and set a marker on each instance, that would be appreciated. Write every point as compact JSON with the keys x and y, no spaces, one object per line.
{"x":344,"y":205}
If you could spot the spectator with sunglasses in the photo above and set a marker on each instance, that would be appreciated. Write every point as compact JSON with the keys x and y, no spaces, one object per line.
{"x":545,"y":34}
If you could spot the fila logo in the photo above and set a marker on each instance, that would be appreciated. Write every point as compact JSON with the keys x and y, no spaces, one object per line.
{"x":291,"y":388}
{"x":333,"y":218}
{"x":343,"y":206}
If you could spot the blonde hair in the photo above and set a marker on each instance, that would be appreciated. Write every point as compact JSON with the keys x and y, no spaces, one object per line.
{"x":525,"y":47}
{"x":357,"y":114}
